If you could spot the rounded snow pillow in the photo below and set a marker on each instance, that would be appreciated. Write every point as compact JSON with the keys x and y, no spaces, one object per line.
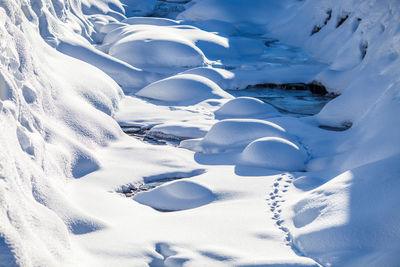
{"x":157,"y":49}
{"x":244,"y":107}
{"x":274,"y":153}
{"x":219,"y":76}
{"x":175,"y":196}
{"x":183,"y":89}
{"x":235,"y":133}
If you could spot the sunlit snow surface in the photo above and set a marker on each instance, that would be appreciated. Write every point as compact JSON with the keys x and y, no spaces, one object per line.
{"x":250,"y":181}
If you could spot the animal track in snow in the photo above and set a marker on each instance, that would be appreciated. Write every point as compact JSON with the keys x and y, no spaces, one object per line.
{"x":279,"y":188}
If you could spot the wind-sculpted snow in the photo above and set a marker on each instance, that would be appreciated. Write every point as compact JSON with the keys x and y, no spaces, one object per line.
{"x":54,"y":110}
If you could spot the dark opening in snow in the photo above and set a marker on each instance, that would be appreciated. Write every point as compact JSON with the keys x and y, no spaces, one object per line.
{"x":297,"y":99}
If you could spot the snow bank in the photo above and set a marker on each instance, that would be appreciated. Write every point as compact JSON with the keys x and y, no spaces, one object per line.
{"x":55,"y":110}
{"x":245,"y":107}
{"x":232,"y":134}
{"x":354,"y":211}
{"x":274,"y":153}
{"x":181,"y":195}
{"x":183,"y":89}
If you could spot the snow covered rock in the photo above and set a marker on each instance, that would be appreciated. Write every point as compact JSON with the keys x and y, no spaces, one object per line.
{"x":163,"y":43}
{"x":157,"y":48}
{"x":221,"y":77}
{"x":184,"y":89}
{"x":233,"y":134}
{"x":181,"y":195}
{"x":242,"y":107}
{"x":274,"y":153}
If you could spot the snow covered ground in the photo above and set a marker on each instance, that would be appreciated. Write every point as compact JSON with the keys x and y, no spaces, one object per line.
{"x":212,"y":175}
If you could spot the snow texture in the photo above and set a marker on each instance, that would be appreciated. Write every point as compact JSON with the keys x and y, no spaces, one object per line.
{"x":331,"y":180}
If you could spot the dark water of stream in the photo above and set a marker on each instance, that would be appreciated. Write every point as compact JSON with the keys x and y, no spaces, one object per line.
{"x":298,"y":103}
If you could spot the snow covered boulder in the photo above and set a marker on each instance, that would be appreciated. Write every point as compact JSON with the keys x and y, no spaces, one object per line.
{"x":234,"y":134}
{"x":274,"y":153}
{"x":219,"y":76}
{"x":183,"y":89}
{"x":157,"y":48}
{"x":242,"y":107}
{"x":181,"y":195}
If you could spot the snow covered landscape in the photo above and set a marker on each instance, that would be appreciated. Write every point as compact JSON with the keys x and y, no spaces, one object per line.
{"x":199,"y":133}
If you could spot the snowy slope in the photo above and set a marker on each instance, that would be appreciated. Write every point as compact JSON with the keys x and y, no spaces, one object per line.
{"x":54,"y":111}
{"x":338,"y":221}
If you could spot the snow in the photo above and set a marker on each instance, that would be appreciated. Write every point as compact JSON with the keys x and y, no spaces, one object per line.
{"x":243,"y":107}
{"x":221,"y":77}
{"x":157,"y":48}
{"x":179,"y":195}
{"x":274,"y":153}
{"x":253,"y":187}
{"x":183,"y":89}
{"x":231,"y":134}
{"x":335,"y":209}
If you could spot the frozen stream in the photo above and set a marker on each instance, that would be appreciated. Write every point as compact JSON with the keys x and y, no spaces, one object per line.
{"x":252,"y":78}
{"x":297,"y":103}
{"x":206,"y":190}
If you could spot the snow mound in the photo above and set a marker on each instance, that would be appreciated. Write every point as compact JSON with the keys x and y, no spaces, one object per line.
{"x":274,"y":153}
{"x":183,"y":89}
{"x":157,"y":49}
{"x":244,"y":107}
{"x":156,"y":45}
{"x":181,"y":195}
{"x":150,"y":21}
{"x":219,"y":76}
{"x":233,"y":134}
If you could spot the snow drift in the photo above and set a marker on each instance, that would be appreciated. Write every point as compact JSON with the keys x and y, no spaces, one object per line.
{"x":54,"y":111}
